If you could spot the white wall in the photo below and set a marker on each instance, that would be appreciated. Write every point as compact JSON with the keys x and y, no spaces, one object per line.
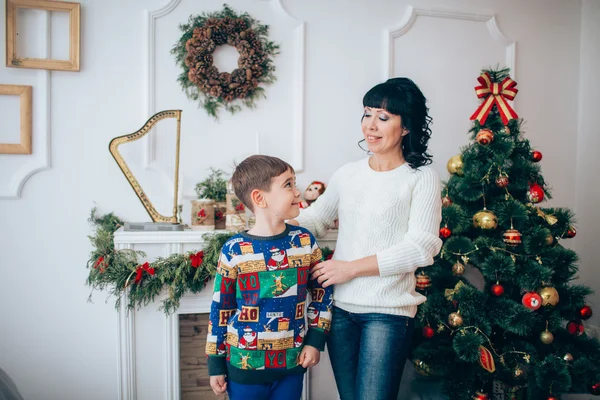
{"x":588,"y":141}
{"x":55,"y":344}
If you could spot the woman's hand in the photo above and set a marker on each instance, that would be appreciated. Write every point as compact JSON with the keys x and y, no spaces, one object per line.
{"x":332,"y":272}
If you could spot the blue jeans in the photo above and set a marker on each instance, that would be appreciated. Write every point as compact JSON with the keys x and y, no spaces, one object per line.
{"x":288,"y":388}
{"x":367,"y":353}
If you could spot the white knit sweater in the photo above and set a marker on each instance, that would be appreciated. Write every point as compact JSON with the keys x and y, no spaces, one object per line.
{"x":395,"y":215}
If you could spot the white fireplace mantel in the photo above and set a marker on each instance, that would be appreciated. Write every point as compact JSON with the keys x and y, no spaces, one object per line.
{"x":148,"y":341}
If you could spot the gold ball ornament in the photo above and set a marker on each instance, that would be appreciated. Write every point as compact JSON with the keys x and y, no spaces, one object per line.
{"x":549,"y":296}
{"x":485,"y":219}
{"x":568,"y":357}
{"x":549,"y":240}
{"x":546,"y":337}
{"x":455,"y":165}
{"x":484,"y":137}
{"x":458,"y":269}
{"x":455,"y":320}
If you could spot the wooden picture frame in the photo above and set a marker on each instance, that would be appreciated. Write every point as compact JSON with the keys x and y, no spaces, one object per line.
{"x":24,"y":93}
{"x":13,"y":60}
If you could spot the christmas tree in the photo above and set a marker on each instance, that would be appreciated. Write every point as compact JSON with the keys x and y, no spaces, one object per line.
{"x":503,"y":318}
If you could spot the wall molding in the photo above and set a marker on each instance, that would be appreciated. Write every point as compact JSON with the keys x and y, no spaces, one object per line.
{"x":413,"y":13}
{"x":126,"y":345}
{"x":299,"y":60}
{"x":40,"y":159}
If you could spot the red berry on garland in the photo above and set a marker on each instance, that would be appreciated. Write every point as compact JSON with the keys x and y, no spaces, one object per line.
{"x":552,"y":398}
{"x":536,"y":156}
{"x":446,"y":201}
{"x":594,"y":388}
{"x":240,"y":207}
{"x":484,"y":137}
{"x":512,"y":237}
{"x":532,"y":300}
{"x":497,"y":289}
{"x":575,"y":328}
{"x":502,"y":181}
{"x":535,"y":194}
{"x":585,"y":312}
{"x":445,"y":232}
{"x":428,"y":332}
{"x":571,"y":232}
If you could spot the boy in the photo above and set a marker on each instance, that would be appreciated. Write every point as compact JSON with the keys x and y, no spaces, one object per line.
{"x":257,"y":335}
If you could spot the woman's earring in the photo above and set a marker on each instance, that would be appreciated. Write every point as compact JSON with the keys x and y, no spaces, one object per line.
{"x":363,"y":149}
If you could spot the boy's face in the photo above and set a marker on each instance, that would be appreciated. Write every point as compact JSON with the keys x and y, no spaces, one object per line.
{"x":283,"y":200}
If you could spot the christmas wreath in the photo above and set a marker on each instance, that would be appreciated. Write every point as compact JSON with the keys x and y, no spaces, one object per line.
{"x":201,"y":80}
{"x":119,"y":270}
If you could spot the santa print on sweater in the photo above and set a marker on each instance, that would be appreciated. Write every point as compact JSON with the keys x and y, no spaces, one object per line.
{"x":249,"y":340}
{"x":278,"y":259}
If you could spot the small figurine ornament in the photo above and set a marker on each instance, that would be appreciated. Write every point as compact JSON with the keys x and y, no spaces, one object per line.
{"x":312,"y":192}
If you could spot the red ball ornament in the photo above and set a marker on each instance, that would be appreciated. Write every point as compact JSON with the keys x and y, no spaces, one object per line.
{"x":571,"y":232}
{"x":497,"y":289}
{"x":594,"y":388}
{"x":535,"y":194}
{"x":481,"y":396}
{"x":484,"y":137}
{"x":445,"y":232}
{"x":423,"y":281}
{"x":575,"y":328}
{"x":536,"y":156}
{"x":502,"y":181}
{"x":446,"y":201}
{"x":428,"y":332}
{"x":532,"y":300}
{"x":552,"y":398}
{"x":585,"y":312}
{"x":512,"y":237}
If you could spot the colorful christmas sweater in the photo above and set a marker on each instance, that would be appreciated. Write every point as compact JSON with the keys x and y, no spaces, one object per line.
{"x":259,"y":321}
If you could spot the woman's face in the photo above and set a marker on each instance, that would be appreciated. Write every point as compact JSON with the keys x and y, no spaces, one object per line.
{"x":382,"y":131}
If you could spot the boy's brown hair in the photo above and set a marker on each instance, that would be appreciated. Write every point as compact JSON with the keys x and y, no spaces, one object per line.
{"x":256,"y":172}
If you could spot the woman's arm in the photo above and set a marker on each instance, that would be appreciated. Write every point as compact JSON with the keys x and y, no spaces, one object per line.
{"x":321,"y":214}
{"x":422,"y":241}
{"x":418,"y":247}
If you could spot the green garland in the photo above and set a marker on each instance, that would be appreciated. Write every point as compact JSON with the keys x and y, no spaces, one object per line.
{"x":116,"y":271}
{"x":202,"y":81}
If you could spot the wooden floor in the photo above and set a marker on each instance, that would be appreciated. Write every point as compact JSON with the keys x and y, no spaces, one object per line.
{"x":193,"y":364}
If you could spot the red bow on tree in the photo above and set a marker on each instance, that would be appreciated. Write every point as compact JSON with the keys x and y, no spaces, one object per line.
{"x":140,"y":271}
{"x":197,"y":259}
{"x":495,"y":93}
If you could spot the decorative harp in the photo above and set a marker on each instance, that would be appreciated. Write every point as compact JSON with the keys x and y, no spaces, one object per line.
{"x":116,"y":142}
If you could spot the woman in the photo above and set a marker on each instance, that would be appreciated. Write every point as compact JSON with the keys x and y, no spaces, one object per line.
{"x":389,"y":212}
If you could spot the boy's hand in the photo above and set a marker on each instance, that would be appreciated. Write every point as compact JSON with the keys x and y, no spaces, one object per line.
{"x":218,"y":384}
{"x":309,"y":356}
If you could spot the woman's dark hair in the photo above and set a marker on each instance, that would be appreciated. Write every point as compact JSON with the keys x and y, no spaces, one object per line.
{"x":401,"y":96}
